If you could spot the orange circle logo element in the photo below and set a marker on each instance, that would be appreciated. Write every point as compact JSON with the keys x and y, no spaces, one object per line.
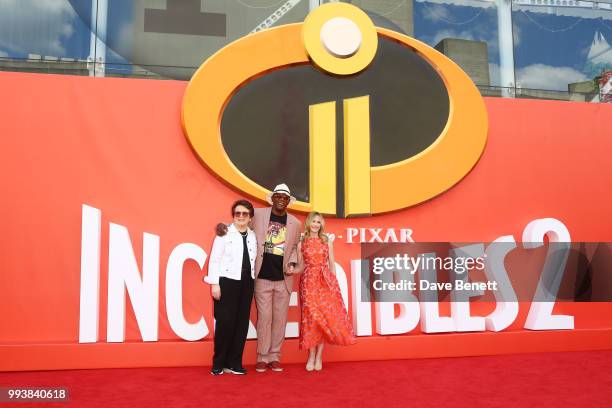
{"x":353,"y":30}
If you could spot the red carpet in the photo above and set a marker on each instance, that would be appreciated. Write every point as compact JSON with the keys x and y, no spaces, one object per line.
{"x":577,"y":379}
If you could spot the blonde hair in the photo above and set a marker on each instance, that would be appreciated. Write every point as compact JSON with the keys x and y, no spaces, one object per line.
{"x":321,"y":234}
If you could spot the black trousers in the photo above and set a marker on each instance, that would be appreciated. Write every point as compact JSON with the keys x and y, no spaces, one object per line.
{"x":232,"y":320}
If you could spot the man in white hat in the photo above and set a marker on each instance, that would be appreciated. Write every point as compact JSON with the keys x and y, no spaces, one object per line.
{"x":277,"y":237}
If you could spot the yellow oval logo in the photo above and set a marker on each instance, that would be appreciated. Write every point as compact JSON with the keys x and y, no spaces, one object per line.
{"x":342,"y":43}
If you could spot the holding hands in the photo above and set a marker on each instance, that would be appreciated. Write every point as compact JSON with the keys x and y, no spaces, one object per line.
{"x":215,"y":291}
{"x":290,"y":269}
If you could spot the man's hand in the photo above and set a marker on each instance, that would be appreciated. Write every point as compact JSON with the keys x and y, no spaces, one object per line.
{"x":215,"y":291}
{"x":290,"y":269}
{"x":221,"y":229}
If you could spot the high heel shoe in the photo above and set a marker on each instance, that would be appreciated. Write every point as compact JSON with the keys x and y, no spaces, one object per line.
{"x":318,"y":365}
{"x":310,"y":366}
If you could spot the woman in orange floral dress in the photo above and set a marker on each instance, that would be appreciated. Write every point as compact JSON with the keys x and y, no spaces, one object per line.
{"x":324,"y":317}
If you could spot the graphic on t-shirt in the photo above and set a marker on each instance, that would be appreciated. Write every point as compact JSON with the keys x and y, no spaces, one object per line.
{"x":275,"y":238}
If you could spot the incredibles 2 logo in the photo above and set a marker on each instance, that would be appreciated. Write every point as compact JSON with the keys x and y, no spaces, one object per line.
{"x":357,"y":120}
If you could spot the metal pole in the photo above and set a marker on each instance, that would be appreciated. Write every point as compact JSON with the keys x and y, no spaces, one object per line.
{"x":91,"y":59}
{"x":506,"y":47}
{"x":97,"y":42}
{"x":101,"y":40}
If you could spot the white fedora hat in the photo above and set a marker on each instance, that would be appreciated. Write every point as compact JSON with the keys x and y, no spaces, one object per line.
{"x":280,"y":189}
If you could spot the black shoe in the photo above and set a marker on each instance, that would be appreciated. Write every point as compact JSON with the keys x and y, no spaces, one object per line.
{"x":237,"y":371}
{"x":216,"y":371}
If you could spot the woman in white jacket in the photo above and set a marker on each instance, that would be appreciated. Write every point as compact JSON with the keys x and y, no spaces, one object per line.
{"x":231,"y":274}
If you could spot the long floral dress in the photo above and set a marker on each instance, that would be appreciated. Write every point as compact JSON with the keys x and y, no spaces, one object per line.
{"x":324,"y":317}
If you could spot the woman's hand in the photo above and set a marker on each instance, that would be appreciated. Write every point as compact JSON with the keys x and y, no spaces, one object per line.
{"x":290,"y":269}
{"x":215,"y":291}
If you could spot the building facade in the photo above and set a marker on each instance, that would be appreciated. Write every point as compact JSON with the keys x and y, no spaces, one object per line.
{"x":550,"y":49}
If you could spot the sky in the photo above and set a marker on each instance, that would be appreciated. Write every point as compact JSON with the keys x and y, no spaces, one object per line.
{"x":550,"y":50}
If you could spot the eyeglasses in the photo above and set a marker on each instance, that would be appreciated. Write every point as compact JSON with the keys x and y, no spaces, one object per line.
{"x":241,"y":214}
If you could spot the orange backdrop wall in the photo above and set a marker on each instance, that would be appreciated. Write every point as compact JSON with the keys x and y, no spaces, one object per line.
{"x":117,"y":145}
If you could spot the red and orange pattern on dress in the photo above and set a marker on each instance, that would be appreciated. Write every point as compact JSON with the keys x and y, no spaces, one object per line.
{"x":324,"y":317}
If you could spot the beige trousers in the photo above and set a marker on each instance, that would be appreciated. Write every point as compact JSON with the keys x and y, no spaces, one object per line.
{"x":272,"y":301}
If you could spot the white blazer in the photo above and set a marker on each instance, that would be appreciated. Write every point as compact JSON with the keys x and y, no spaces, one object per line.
{"x":226,"y":256}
